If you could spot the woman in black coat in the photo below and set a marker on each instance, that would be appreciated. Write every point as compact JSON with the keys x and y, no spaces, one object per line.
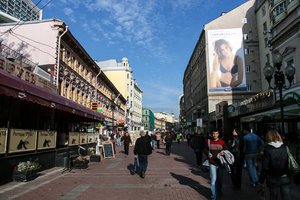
{"x":275,"y":167}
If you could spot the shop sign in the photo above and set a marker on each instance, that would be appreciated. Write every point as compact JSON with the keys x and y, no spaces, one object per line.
{"x":19,"y":71}
{"x":73,"y":138}
{"x":21,"y":140}
{"x":83,"y":138}
{"x":46,"y":139}
{"x":3,"y":140}
{"x":91,"y":137}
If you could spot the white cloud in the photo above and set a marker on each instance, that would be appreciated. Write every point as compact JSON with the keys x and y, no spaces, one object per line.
{"x":69,"y":12}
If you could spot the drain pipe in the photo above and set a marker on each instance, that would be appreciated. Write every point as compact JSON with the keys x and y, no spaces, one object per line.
{"x":96,"y":91}
{"x":58,"y":60}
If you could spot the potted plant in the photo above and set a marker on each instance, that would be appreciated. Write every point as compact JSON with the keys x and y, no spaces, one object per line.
{"x":80,"y":163}
{"x":26,"y":171}
{"x":93,"y":156}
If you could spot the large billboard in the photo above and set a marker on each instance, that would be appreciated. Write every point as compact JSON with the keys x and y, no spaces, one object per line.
{"x":226,"y":65}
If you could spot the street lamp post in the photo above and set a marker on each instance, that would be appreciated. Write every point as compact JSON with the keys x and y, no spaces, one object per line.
{"x":279,"y":79}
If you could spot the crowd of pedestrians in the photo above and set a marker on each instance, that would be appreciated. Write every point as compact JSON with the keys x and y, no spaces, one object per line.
{"x":266,"y":162}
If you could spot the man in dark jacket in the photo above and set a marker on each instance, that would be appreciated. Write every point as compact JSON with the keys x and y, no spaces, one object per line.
{"x":142,"y":149}
{"x":198,"y":142}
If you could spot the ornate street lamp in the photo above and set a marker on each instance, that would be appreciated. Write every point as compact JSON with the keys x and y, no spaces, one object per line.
{"x":279,"y":79}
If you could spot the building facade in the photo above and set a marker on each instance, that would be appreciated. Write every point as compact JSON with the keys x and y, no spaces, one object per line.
{"x":121,"y":74}
{"x":148,"y":119}
{"x":137,"y":112}
{"x":16,"y":10}
{"x":51,"y":83}
{"x":205,"y":82}
{"x":262,"y":27}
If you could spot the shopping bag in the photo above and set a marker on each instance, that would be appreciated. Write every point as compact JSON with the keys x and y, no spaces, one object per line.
{"x":292,"y":164}
{"x":135,"y":164}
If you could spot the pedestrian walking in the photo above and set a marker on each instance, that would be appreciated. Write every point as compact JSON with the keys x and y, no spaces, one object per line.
{"x":153,"y":140}
{"x":178,"y":137}
{"x":126,"y":141}
{"x":198,"y":143}
{"x":168,"y":141}
{"x":214,"y":148}
{"x":142,"y":149}
{"x":252,"y":145}
{"x":188,"y":137}
{"x":275,"y":167}
{"x":235,"y":146}
{"x":158,"y":138}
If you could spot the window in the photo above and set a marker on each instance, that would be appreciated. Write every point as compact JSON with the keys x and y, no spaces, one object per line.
{"x":280,"y":8}
{"x":263,"y":11}
{"x":265,"y":28}
{"x":248,"y":68}
{"x":127,"y":75}
{"x":249,"y":87}
{"x":246,"y":51}
{"x":246,"y":37}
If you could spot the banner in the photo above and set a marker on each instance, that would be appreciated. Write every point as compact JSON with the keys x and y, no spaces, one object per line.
{"x":21,"y":140}
{"x":226,"y":66}
{"x":3,"y":140}
{"x":73,"y":138}
{"x":46,"y":139}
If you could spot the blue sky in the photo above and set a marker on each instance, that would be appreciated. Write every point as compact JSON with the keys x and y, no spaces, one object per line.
{"x":157,"y":37}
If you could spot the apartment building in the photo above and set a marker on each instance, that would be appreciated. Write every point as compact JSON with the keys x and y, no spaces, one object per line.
{"x":121,"y":75}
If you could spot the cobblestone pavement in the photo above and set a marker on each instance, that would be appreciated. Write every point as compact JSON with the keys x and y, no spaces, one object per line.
{"x":167,"y":178}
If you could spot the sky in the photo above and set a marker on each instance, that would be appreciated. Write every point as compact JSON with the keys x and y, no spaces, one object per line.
{"x":157,"y":36}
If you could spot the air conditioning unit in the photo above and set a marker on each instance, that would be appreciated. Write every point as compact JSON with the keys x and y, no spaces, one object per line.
{"x":42,"y":73}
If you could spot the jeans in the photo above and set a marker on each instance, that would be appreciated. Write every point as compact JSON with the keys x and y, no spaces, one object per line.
{"x":280,"y":187}
{"x":251,"y":167}
{"x":126,"y":148}
{"x":153,"y":144}
{"x":168,"y":148}
{"x":198,"y":153}
{"x":143,"y":162}
{"x":216,"y":176}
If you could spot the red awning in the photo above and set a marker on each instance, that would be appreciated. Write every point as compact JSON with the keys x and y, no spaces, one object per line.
{"x":16,"y":87}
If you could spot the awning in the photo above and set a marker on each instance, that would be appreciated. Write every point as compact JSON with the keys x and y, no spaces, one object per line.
{"x":18,"y":88}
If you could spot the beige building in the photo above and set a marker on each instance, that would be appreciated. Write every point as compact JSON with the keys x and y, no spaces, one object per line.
{"x":121,"y":74}
{"x":63,"y":61}
{"x":167,"y":117}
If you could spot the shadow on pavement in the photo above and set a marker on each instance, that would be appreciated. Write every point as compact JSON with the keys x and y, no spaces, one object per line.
{"x":130,"y":168}
{"x":183,"y":180}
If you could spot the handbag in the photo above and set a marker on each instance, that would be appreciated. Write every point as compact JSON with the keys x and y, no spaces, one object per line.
{"x":206,"y":161}
{"x":293,"y":166}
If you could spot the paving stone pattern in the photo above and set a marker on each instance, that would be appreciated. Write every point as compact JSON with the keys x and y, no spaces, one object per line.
{"x":173,"y":177}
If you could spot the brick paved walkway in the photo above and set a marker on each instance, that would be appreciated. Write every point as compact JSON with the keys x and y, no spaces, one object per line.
{"x":167,"y":178}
